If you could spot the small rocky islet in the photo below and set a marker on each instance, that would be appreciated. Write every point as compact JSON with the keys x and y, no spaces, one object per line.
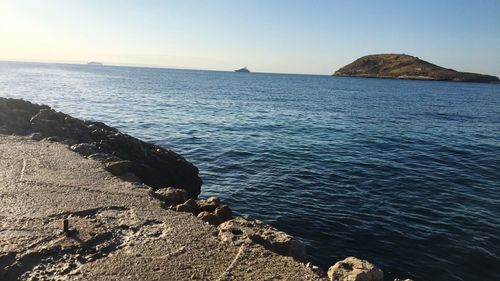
{"x":164,"y":175}
{"x":402,"y":66}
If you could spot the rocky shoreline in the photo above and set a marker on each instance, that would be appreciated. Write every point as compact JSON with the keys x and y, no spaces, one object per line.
{"x":165,"y":175}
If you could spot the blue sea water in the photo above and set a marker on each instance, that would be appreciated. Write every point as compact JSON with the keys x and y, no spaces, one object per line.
{"x":405,"y":174}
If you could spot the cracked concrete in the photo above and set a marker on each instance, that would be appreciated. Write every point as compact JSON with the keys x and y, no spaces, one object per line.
{"x":117,"y":231}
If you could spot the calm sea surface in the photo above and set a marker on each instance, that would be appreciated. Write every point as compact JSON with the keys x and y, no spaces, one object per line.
{"x":405,"y":174}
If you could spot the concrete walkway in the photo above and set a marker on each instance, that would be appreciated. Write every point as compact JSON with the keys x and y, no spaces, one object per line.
{"x":116,"y":231}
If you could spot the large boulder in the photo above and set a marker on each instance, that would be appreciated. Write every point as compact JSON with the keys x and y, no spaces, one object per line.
{"x":241,"y":230}
{"x":154,"y":165}
{"x":354,"y":269}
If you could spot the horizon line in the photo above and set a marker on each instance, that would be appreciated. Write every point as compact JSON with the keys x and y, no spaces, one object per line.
{"x":153,"y":66}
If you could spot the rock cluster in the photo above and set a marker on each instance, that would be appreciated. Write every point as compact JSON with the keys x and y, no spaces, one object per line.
{"x":232,"y":230}
{"x":209,"y":210}
{"x":122,"y":154}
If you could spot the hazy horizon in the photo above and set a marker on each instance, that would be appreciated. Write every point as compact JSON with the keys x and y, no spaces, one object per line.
{"x":266,"y":36}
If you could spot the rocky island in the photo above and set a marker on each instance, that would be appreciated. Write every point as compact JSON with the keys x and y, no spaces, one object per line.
{"x":402,"y":66}
{"x":82,"y":201}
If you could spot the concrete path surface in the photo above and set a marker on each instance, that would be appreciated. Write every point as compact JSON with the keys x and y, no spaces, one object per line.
{"x":116,"y":231}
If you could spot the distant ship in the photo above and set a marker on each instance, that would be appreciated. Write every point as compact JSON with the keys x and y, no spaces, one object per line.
{"x":94,"y":63}
{"x":244,"y":69}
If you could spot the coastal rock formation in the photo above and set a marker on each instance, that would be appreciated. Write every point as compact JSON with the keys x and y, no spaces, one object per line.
{"x":154,"y":165}
{"x":354,"y":269}
{"x":63,"y":217}
{"x":240,"y":230}
{"x":403,"y":66}
{"x":120,"y":219}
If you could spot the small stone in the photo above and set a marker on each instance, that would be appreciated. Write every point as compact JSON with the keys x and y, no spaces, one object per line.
{"x":209,"y":204}
{"x":131,"y":177}
{"x":104,"y":157}
{"x":223,"y":213}
{"x":190,"y":206}
{"x":52,"y":139}
{"x":354,"y":269}
{"x":84,"y":149}
{"x":36,"y":136}
{"x":171,"y":196}
{"x":119,"y":167}
{"x":151,"y":191}
{"x":208,"y":217}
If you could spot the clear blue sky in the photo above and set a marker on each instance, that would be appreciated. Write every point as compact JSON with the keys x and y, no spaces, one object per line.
{"x":266,"y":35}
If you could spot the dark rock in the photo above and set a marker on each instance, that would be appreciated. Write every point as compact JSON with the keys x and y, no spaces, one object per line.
{"x":151,"y":192}
{"x":104,"y":157}
{"x":155,"y":166}
{"x":48,"y":123}
{"x":84,"y":149}
{"x":171,"y":196}
{"x":52,"y":139}
{"x":14,"y":121}
{"x":36,"y":136}
{"x":119,"y":167}
{"x":130,"y":177}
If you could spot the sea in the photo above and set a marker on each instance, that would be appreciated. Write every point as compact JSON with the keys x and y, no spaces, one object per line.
{"x":405,"y":174}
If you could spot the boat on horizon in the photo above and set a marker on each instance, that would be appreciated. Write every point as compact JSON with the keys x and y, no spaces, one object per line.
{"x":244,"y":69}
{"x":95,"y":63}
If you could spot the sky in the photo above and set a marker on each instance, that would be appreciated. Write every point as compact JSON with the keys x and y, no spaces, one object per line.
{"x":285,"y":36}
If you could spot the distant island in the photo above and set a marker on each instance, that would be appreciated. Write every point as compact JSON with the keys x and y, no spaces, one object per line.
{"x":402,"y":66}
{"x":244,"y":69}
{"x":94,"y":63}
